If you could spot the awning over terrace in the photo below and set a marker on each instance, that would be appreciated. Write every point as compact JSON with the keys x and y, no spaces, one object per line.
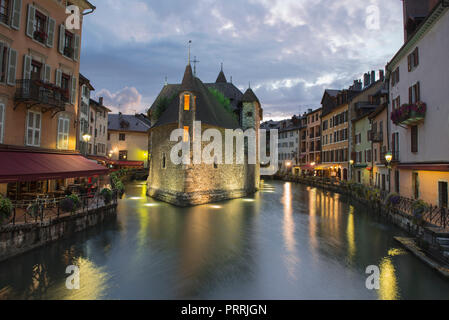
{"x":22,"y":166}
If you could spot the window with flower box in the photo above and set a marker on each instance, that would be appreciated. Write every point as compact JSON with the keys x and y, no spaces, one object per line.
{"x":40,"y":27}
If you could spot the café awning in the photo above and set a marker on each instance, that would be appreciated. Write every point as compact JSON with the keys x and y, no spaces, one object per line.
{"x":126,"y":163}
{"x":21,"y":166}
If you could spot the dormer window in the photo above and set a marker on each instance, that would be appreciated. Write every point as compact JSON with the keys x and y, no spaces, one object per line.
{"x":187,"y":102}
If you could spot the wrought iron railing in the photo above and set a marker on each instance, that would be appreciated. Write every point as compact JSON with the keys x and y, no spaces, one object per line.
{"x":44,"y":209}
{"x":42,"y":93}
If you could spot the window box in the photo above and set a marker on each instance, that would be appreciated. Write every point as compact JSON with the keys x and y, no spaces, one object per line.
{"x":409,"y":114}
{"x":40,"y":36}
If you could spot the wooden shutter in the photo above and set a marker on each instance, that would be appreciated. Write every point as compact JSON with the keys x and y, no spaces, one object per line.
{"x":393,"y":142}
{"x":73,"y":93}
{"x":416,"y":56}
{"x":58,"y":78}
{"x":418,"y":92}
{"x":2,"y":51}
{"x":397,"y":74}
{"x":409,"y":61}
{"x":51,"y":26}
{"x":414,"y":137}
{"x":12,"y":67}
{"x":30,"y":21}
{"x":16,"y":14}
{"x":61,"y":38}
{"x":76,"y":47}
{"x":410,"y":95}
{"x":26,"y":67}
{"x":47,"y":73}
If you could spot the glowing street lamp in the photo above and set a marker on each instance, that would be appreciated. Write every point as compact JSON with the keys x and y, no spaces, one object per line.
{"x":388,"y":157}
{"x":313,"y":164}
{"x":288,"y":163}
{"x":86,"y":139}
{"x":351,"y":162}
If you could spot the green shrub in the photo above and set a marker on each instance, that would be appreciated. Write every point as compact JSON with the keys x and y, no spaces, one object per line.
{"x":70,"y":203}
{"x":5,"y":209}
{"x":107,"y":195}
{"x":418,"y":209}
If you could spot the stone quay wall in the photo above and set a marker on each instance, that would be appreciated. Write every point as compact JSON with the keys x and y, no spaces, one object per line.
{"x":17,"y":239}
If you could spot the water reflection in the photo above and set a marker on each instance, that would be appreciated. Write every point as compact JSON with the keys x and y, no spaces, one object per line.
{"x":292,"y":242}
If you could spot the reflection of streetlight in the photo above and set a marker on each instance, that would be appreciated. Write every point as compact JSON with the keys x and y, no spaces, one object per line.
{"x":313,"y":164}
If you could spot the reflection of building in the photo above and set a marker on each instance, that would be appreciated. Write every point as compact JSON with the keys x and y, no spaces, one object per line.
{"x":39,"y":98}
{"x":182,"y":106}
{"x":419,"y":107}
{"x":98,"y":128}
{"x":128,"y":140}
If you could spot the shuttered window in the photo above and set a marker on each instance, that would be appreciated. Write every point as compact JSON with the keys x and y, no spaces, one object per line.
{"x":443,"y":194}
{"x":414,"y":139}
{"x":396,"y":181}
{"x":12,"y":67}
{"x":33,"y":137}
{"x":63,"y":133}
{"x":16,"y":14}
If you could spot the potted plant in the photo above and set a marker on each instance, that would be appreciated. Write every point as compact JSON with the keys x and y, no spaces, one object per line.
{"x":107,"y":195}
{"x":5,"y":209}
{"x":418,"y":209}
{"x":70,"y":203}
{"x":392,"y":200}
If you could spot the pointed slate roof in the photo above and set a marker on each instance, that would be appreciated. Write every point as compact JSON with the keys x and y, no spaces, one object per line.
{"x":249,"y":96}
{"x":221,"y":78}
{"x":188,"y":83}
{"x":208,"y":109}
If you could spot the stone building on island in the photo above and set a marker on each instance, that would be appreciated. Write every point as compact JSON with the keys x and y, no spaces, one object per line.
{"x":219,"y":106}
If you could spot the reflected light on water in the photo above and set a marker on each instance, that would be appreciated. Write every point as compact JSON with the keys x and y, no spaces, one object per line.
{"x":350,"y":235}
{"x":92,"y":283}
{"x":215,"y":207}
{"x":151,"y":204}
{"x":388,"y":280}
{"x":248,"y":200}
{"x":135,"y":198}
{"x":291,"y":259}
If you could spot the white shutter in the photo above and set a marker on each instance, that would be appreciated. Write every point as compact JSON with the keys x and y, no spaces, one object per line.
{"x":58,"y":143}
{"x":12,"y":67}
{"x":51,"y":32}
{"x":37,"y":129}
{"x":27,"y":67}
{"x":73,"y":93}
{"x":47,"y":73}
{"x":16,"y":14}
{"x":76,"y":47}
{"x":30,"y":22}
{"x":61,"y":38}
{"x":58,"y":79}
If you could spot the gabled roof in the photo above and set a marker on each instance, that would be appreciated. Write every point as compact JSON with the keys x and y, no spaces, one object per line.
{"x":126,"y":122}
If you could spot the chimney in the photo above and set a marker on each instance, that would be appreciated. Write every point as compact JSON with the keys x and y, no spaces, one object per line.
{"x":100,"y":101}
{"x":381,"y":75}
{"x":366,"y":79}
{"x":309,"y":110}
{"x":373,"y":77}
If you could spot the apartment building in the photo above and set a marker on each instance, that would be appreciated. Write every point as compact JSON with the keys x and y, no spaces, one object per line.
{"x":128,"y":140}
{"x":39,"y":61}
{"x":288,"y":146}
{"x":419,"y":108}
{"x":85,"y":89}
{"x":98,"y":128}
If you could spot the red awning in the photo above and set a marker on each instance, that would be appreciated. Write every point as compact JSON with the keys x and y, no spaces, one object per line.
{"x":33,"y":166}
{"x":425,"y":166}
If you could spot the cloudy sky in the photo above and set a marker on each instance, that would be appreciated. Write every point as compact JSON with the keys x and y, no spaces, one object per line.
{"x":289,"y":50}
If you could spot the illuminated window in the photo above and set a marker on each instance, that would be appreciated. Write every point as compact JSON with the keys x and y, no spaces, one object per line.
{"x":187,"y":102}
{"x":186,"y":134}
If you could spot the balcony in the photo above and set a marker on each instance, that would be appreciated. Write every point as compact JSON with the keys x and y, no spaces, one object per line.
{"x":409,"y":114}
{"x":375,"y":136}
{"x":36,"y":92}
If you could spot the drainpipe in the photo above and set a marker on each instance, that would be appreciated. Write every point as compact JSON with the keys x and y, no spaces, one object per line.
{"x":92,"y":9}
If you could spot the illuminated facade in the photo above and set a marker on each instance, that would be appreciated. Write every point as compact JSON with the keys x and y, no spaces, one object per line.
{"x":182,"y":106}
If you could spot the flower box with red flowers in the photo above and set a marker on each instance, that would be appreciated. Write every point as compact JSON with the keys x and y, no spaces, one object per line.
{"x":409,"y":114}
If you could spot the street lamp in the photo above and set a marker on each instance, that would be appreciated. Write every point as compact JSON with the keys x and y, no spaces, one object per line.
{"x":388,"y":158}
{"x":351,"y":163}
{"x":86,"y":139}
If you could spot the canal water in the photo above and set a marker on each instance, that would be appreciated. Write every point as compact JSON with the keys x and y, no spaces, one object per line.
{"x":287,"y":242}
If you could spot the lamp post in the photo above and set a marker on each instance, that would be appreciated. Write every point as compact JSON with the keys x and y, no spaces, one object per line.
{"x":86,"y":139}
{"x":351,"y":164}
{"x":388,"y":158}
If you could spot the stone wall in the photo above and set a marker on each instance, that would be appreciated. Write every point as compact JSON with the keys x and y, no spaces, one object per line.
{"x":194,"y":184}
{"x":18,"y":239}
